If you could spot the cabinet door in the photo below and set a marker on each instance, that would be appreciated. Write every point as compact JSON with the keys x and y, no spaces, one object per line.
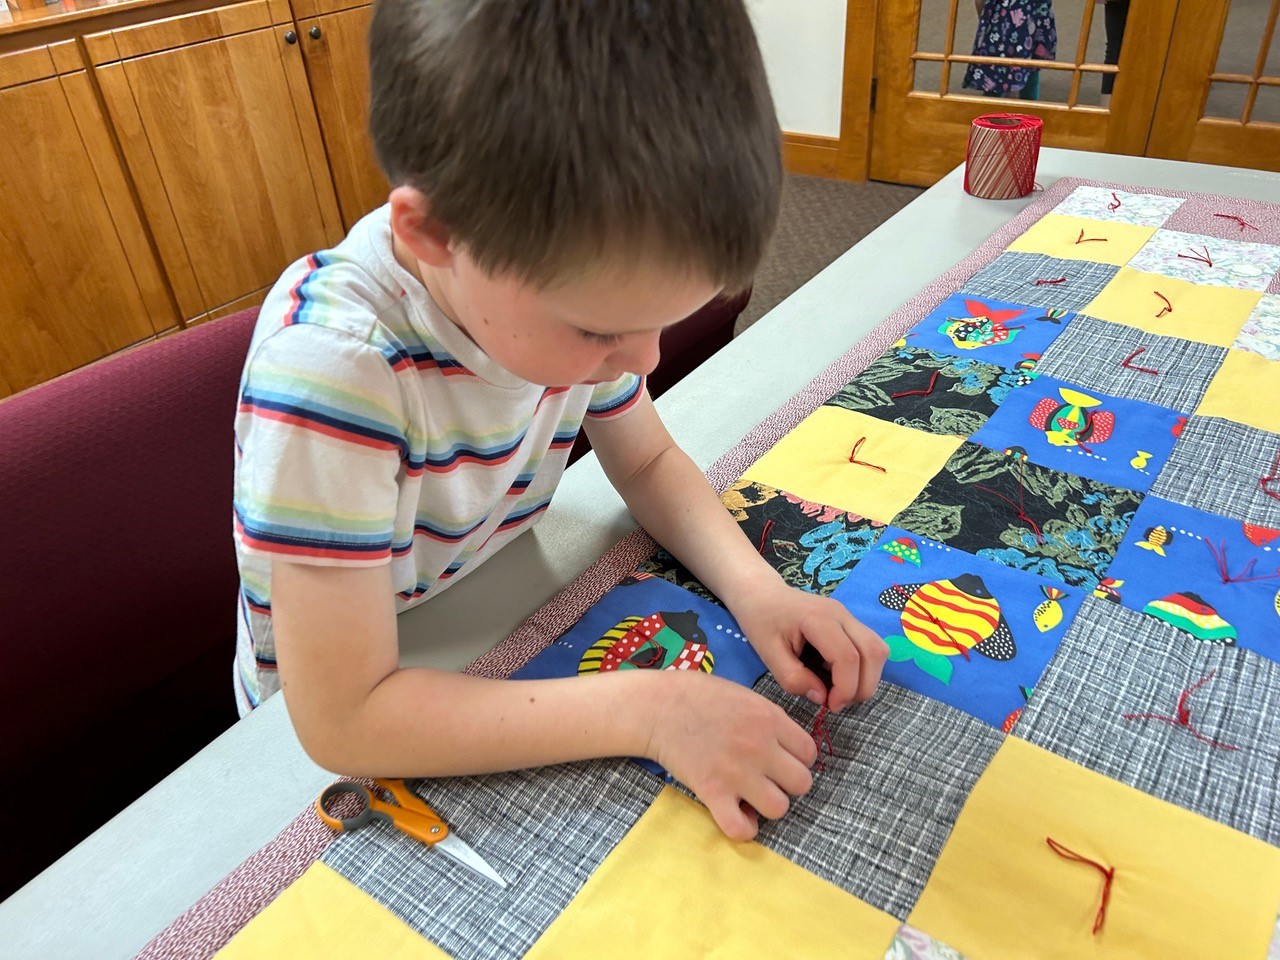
{"x":336,"y":49}
{"x":217,"y":126}
{"x":78,"y":279}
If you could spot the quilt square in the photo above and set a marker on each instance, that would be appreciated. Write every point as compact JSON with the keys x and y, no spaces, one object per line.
{"x":1221,"y":466}
{"x":812,"y":546}
{"x":1125,"y":362}
{"x":1121,"y":206}
{"x":505,"y":817}
{"x":1174,"y":308}
{"x":1090,"y":867}
{"x":1061,"y":526}
{"x":676,"y":887}
{"x":1195,"y":724}
{"x":899,"y":769}
{"x":1080,"y":238}
{"x":1261,"y":331}
{"x":995,"y":332}
{"x":1229,"y":218}
{"x":1246,"y":389}
{"x":1215,"y":578}
{"x":927,"y":391}
{"x":1056,"y":424}
{"x":912,"y":944}
{"x":1198,"y":258}
{"x":853,"y":462}
{"x":961,"y":629}
{"x":1037,"y":280}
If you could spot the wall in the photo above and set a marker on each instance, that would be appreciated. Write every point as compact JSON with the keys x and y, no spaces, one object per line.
{"x":803,"y":46}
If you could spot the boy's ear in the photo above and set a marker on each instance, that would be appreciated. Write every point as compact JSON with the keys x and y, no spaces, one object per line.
{"x":415,"y":227}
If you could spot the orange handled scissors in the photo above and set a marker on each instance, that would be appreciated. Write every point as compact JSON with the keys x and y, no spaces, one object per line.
{"x":409,"y":814}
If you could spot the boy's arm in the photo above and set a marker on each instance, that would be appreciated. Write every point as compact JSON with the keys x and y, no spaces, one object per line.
{"x":357,"y":713}
{"x":669,"y":497}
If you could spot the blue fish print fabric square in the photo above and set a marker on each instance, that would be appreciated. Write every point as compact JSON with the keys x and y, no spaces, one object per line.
{"x":1056,"y":424}
{"x":969,"y":632}
{"x":1215,"y":578}
{"x":997,"y":332}
{"x":1038,"y":280}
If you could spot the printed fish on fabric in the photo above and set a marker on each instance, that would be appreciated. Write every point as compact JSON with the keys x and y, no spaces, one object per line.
{"x":1061,"y":526}
{"x":812,"y":546}
{"x":998,"y":332}
{"x":1111,"y":439}
{"x":1214,"y":578}
{"x":961,"y":629}
{"x":932,"y":392}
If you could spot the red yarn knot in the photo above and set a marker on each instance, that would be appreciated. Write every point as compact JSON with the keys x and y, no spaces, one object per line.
{"x":764,"y":536}
{"x":1240,"y":220}
{"x":947,"y":640}
{"x":1220,"y":557}
{"x":1128,"y":363}
{"x":1168,"y":307}
{"x":1197,"y":256}
{"x":1083,"y":239}
{"x":1115,"y":202}
{"x":1183,"y":718}
{"x":1108,"y":876}
{"x":1020,"y":506}
{"x":1265,"y":482}
{"x":853,"y":456}
{"x":918,"y":393}
{"x":1042,"y":282}
{"x":821,"y":737}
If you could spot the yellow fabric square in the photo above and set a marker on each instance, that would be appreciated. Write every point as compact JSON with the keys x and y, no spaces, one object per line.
{"x":1078,"y":238}
{"x":322,"y":914}
{"x":675,"y":886}
{"x":1245,"y":389}
{"x":1184,"y":886}
{"x":1174,"y":308}
{"x":812,"y":461}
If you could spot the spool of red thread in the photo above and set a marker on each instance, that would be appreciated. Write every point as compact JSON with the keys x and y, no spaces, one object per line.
{"x":1000,"y":162}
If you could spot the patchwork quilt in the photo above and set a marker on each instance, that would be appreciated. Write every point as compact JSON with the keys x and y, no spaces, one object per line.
{"x":1056,"y":494}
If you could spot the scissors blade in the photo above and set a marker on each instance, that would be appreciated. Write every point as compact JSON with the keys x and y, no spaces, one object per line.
{"x":457,"y":848}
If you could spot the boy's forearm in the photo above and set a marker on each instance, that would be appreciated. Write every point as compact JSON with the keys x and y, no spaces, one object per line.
{"x":428,"y":723}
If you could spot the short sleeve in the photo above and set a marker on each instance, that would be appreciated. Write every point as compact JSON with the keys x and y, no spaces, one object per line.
{"x":613,"y":399}
{"x":320,"y":439}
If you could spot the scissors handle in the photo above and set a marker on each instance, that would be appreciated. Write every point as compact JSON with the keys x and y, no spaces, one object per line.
{"x":410,"y":815}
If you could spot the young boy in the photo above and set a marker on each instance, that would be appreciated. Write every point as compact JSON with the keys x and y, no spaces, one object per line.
{"x":570,"y":178}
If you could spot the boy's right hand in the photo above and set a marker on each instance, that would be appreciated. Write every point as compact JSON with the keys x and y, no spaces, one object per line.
{"x":739,"y":752}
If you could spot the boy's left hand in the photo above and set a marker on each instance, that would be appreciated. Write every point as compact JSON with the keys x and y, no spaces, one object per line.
{"x":779,"y":620}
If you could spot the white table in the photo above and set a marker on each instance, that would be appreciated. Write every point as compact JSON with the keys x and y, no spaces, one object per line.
{"x":116,"y":890}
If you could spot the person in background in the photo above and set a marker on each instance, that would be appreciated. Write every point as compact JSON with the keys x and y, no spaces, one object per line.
{"x":1115,"y":15}
{"x":1020,"y":29}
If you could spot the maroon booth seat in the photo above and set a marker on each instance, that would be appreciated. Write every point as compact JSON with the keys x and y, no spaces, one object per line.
{"x":118,"y":577}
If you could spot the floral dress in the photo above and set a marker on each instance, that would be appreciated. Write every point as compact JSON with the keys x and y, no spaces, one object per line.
{"x":1011,"y":28}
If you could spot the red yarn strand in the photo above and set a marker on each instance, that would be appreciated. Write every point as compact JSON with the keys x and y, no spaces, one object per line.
{"x":821,"y":737}
{"x":1108,"y":876}
{"x":764,"y":538}
{"x":1168,"y":307}
{"x":1183,"y":718}
{"x":1198,"y":257}
{"x":1240,"y":220}
{"x":1083,"y":239}
{"x":1128,"y":363}
{"x":853,"y":456}
{"x":1042,"y":282}
{"x":948,"y":640}
{"x":1115,"y":202}
{"x":918,"y":393}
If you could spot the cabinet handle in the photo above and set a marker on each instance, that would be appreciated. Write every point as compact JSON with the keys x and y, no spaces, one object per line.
{"x":290,"y":37}
{"x":315,"y":33}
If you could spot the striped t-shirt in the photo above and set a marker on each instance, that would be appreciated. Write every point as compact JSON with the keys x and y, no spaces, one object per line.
{"x":372,"y":430}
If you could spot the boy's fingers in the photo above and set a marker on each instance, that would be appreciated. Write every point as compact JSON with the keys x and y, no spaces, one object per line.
{"x":798,"y":743}
{"x":795,"y":678}
{"x":792,"y":775}
{"x":874,"y":652}
{"x":734,"y":822}
{"x":770,"y":801}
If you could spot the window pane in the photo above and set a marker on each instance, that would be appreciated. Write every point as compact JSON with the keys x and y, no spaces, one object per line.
{"x":1266,"y":109}
{"x":1225,"y":100}
{"x":928,"y":76}
{"x":1242,"y":36}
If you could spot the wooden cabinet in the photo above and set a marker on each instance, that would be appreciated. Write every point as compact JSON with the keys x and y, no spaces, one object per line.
{"x":78,"y":279}
{"x":218,"y":129}
{"x":334,"y":44}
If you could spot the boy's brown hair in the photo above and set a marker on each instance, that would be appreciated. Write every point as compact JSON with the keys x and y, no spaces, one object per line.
{"x":552,"y":136}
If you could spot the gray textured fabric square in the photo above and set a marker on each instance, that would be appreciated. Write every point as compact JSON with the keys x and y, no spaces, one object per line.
{"x":544,"y":831}
{"x":1217,"y":465}
{"x":1091,"y":352}
{"x":1012,"y":276}
{"x":901,"y":768}
{"x":1114,"y":661}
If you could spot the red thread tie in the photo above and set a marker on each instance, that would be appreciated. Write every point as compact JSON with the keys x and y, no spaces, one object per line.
{"x":1128,"y":363}
{"x":821,"y":736}
{"x":918,"y":393}
{"x":1168,"y":307}
{"x":1183,"y":719}
{"x":1240,"y":220}
{"x":1020,"y":505}
{"x":1108,"y":875}
{"x":948,"y":640}
{"x":853,"y":456}
{"x":1115,"y":204}
{"x":764,"y":535}
{"x":1083,"y":239}
{"x":1275,"y":475}
{"x":1043,"y":282}
{"x":1198,"y":257}
{"x":1220,"y":557}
